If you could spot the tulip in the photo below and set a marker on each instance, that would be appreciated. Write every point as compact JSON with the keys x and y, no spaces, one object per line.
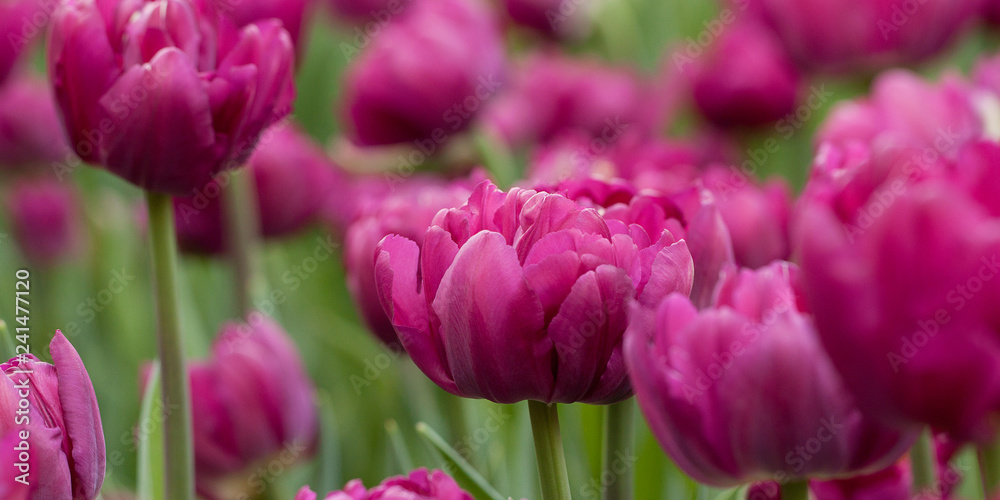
{"x":426,"y":76}
{"x":406,"y":211}
{"x":550,"y":17}
{"x":899,"y":256}
{"x":698,"y":374}
{"x":293,"y":177}
{"x":861,"y":35}
{"x":420,"y":484}
{"x":745,"y":78}
{"x":291,"y":13}
{"x":522,"y":296}
{"x":992,"y":11}
{"x":61,"y":429}
{"x":44,"y":221}
{"x":370,"y":11}
{"x":17,"y":29}
{"x":161,"y":93}
{"x":31,"y":137}
{"x":254,"y":403}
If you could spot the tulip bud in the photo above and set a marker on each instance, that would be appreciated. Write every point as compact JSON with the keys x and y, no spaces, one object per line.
{"x":420,"y":484}
{"x":697,"y":374}
{"x":53,"y":425}
{"x":523,"y":295}
{"x":44,"y":218}
{"x":425,"y":77}
{"x":161,"y":93}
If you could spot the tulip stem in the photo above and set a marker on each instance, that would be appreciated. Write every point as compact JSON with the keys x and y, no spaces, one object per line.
{"x":179,"y":463}
{"x":989,"y":468}
{"x":922,"y":462}
{"x":619,"y":443}
{"x":795,"y":490}
{"x":243,"y":228}
{"x":549,"y":451}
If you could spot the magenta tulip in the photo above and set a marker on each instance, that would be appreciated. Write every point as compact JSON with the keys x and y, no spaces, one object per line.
{"x":745,"y":79}
{"x":698,"y":374}
{"x":522,"y":296}
{"x":253,"y":403}
{"x":426,"y":76}
{"x":367,"y":12}
{"x":31,"y":137}
{"x":18,"y":27}
{"x":992,"y":11}
{"x":551,"y":18}
{"x":45,"y":221}
{"x":420,"y":484}
{"x":161,"y":93}
{"x":291,"y":13}
{"x":859,"y":35}
{"x":900,"y":254}
{"x":60,"y":431}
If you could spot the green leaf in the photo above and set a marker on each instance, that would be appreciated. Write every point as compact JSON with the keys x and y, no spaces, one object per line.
{"x":463,"y":471}
{"x":738,"y":493}
{"x":151,"y":482}
{"x":328,"y":468}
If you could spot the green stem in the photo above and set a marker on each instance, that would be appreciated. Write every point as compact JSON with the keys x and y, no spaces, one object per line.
{"x":619,"y":447}
{"x":989,"y":468}
{"x":549,"y":451}
{"x":179,"y":461}
{"x":496,"y":157}
{"x":243,"y":231}
{"x":795,"y":490}
{"x":923,"y":463}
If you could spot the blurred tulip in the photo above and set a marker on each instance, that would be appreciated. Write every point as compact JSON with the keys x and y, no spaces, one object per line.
{"x":293,"y":177}
{"x":746,"y":79}
{"x":291,"y":13}
{"x":406,"y":211}
{"x":254,"y":403}
{"x":425,"y":76}
{"x":553,"y":18}
{"x":44,"y":220}
{"x":698,"y":374}
{"x":163,"y":93}
{"x":61,"y":430}
{"x":421,"y":484}
{"x":522,"y":295}
{"x":380,"y":12}
{"x":31,"y":136}
{"x":17,"y":30}
{"x":861,"y":35}
{"x":992,"y":11}
{"x":899,"y":256}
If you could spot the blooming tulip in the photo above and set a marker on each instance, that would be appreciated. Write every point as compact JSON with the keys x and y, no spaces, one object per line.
{"x":698,"y":374}
{"x":522,"y":296}
{"x":426,"y":76}
{"x":61,"y":430}
{"x":253,"y":402}
{"x":163,"y":93}
{"x":839,"y":35}
{"x":900,"y":255}
{"x":421,"y":484}
{"x":44,"y":220}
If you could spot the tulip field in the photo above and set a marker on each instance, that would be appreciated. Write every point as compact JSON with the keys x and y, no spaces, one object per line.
{"x":500,"y":249}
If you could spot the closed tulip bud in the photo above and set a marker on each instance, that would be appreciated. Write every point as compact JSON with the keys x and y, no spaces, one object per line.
{"x":59,"y":438}
{"x":44,"y":219}
{"x":901,"y":258}
{"x":420,"y":484}
{"x":165,"y":93}
{"x":861,"y":35}
{"x":746,"y":79}
{"x":31,"y":137}
{"x":523,"y":296}
{"x":254,"y":404}
{"x":697,"y":374}
{"x":426,"y":76}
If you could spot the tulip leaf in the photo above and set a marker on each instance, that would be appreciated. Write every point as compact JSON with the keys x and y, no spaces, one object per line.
{"x":733,"y":494}
{"x":329,"y":467}
{"x":462,"y":470}
{"x":150,"y":435}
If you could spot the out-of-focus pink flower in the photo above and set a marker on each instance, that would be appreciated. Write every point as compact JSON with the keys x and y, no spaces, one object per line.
{"x":900,"y":257}
{"x":860,"y":35}
{"x":291,"y":13}
{"x":375,"y":12}
{"x":17,"y":30}
{"x":992,"y":11}
{"x":44,"y":219}
{"x":293,"y":178}
{"x":253,"y":402}
{"x":745,"y":78}
{"x":552,"y":18}
{"x":407,"y":210}
{"x":31,"y":137}
{"x":426,"y":75}
{"x":523,"y":295}
{"x":60,"y":436}
{"x":420,"y":484}
{"x":697,"y":374}
{"x":166,"y":93}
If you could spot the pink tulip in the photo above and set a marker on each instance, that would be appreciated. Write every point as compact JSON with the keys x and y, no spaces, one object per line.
{"x":164,"y":93}
{"x":61,"y":429}
{"x":552,"y":18}
{"x":698,"y":374}
{"x":18,"y":28}
{"x":291,"y":13}
{"x":992,"y":11}
{"x":421,"y":484}
{"x":522,"y":295}
{"x":368,"y":12}
{"x":45,"y":221}
{"x":426,"y":75}
{"x":31,"y":137}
